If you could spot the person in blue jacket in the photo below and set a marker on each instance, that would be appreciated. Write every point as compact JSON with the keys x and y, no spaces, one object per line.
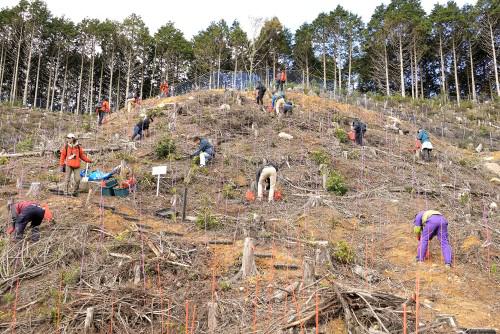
{"x":205,"y":150}
{"x":425,"y":144}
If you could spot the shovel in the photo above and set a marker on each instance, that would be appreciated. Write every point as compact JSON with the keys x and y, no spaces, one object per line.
{"x":85,"y":179}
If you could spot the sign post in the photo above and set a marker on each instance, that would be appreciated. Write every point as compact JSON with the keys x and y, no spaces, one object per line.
{"x":159,"y":170}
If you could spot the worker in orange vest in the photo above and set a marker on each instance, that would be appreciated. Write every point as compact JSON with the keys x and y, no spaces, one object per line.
{"x":71,"y":156}
{"x":104,"y":110}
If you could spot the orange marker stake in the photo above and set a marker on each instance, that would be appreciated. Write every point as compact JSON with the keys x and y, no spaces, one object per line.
{"x":317,"y":314}
{"x":187,"y":316}
{"x":404,"y":318}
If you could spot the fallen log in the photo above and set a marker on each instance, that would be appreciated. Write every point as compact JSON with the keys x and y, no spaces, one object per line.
{"x":220,"y":242}
{"x":285,"y":266}
{"x":42,"y":153}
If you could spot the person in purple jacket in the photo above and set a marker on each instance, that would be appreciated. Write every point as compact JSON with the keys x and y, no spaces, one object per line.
{"x":429,"y":224}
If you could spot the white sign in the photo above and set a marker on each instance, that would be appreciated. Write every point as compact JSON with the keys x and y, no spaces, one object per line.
{"x":159,"y":170}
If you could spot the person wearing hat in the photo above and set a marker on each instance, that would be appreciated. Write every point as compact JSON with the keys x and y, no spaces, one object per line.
{"x":141,"y":126}
{"x":70,"y":161}
{"x":25,"y":212}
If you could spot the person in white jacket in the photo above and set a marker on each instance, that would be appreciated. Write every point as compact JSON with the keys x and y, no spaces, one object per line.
{"x":266,"y":178}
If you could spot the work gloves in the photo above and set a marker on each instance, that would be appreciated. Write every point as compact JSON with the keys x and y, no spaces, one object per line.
{"x":418,"y":231}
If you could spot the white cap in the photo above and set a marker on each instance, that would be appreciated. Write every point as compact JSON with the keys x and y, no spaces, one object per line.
{"x":71,"y":135}
{"x":142,"y":115}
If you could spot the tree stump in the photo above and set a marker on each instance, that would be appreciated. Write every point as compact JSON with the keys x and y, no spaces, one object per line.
{"x":34,"y":189}
{"x":248,"y":267}
{"x":137,"y":274}
{"x":212,"y":317}
{"x":89,"y":319}
{"x":308,"y":272}
{"x":322,"y":257}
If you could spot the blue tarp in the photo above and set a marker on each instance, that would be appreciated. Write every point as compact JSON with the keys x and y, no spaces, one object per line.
{"x":96,"y":175}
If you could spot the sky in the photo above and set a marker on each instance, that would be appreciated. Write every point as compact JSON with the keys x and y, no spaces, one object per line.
{"x":191,"y":16}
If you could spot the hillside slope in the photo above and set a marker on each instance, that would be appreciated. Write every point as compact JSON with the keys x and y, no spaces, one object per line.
{"x":145,"y":274}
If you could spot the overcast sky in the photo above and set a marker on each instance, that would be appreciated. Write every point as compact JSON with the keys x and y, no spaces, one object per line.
{"x":192,"y":16}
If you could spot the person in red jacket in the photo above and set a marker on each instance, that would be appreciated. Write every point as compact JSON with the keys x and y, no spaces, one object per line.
{"x":25,"y":212}
{"x":71,"y":156}
{"x":104,"y":110}
{"x":280,"y":80}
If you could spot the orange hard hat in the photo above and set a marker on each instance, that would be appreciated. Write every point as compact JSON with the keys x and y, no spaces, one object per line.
{"x":48,"y":214}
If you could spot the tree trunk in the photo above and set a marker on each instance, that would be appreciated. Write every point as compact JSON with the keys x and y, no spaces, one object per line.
{"x":412,"y":77}
{"x":274,"y":66}
{"x":443,"y":78}
{"x":386,"y":63}
{"x":80,"y":79}
{"x":49,"y":88}
{"x":268,"y":85}
{"x":334,"y":76}
{"x":324,"y":66}
{"x":350,"y":67}
{"x":129,"y":65}
{"x":307,"y":72}
{"x":65,"y":82}
{"x":56,"y":72}
{"x":118,"y":90}
{"x":100,"y":84}
{"x":403,"y":94}
{"x":142,"y":76}
{"x":421,"y":82}
{"x":37,"y":80}
{"x":91,"y":98}
{"x":112,"y":63}
{"x":457,"y":88}
{"x":218,"y":71}
{"x":153,"y":74}
{"x":26,"y":81}
{"x":473,"y":81}
{"x":235,"y":72}
{"x":494,"y":57}
{"x":415,"y":63}
{"x":340,"y":81}
{"x":16,"y":68}
{"x":3,"y":55}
